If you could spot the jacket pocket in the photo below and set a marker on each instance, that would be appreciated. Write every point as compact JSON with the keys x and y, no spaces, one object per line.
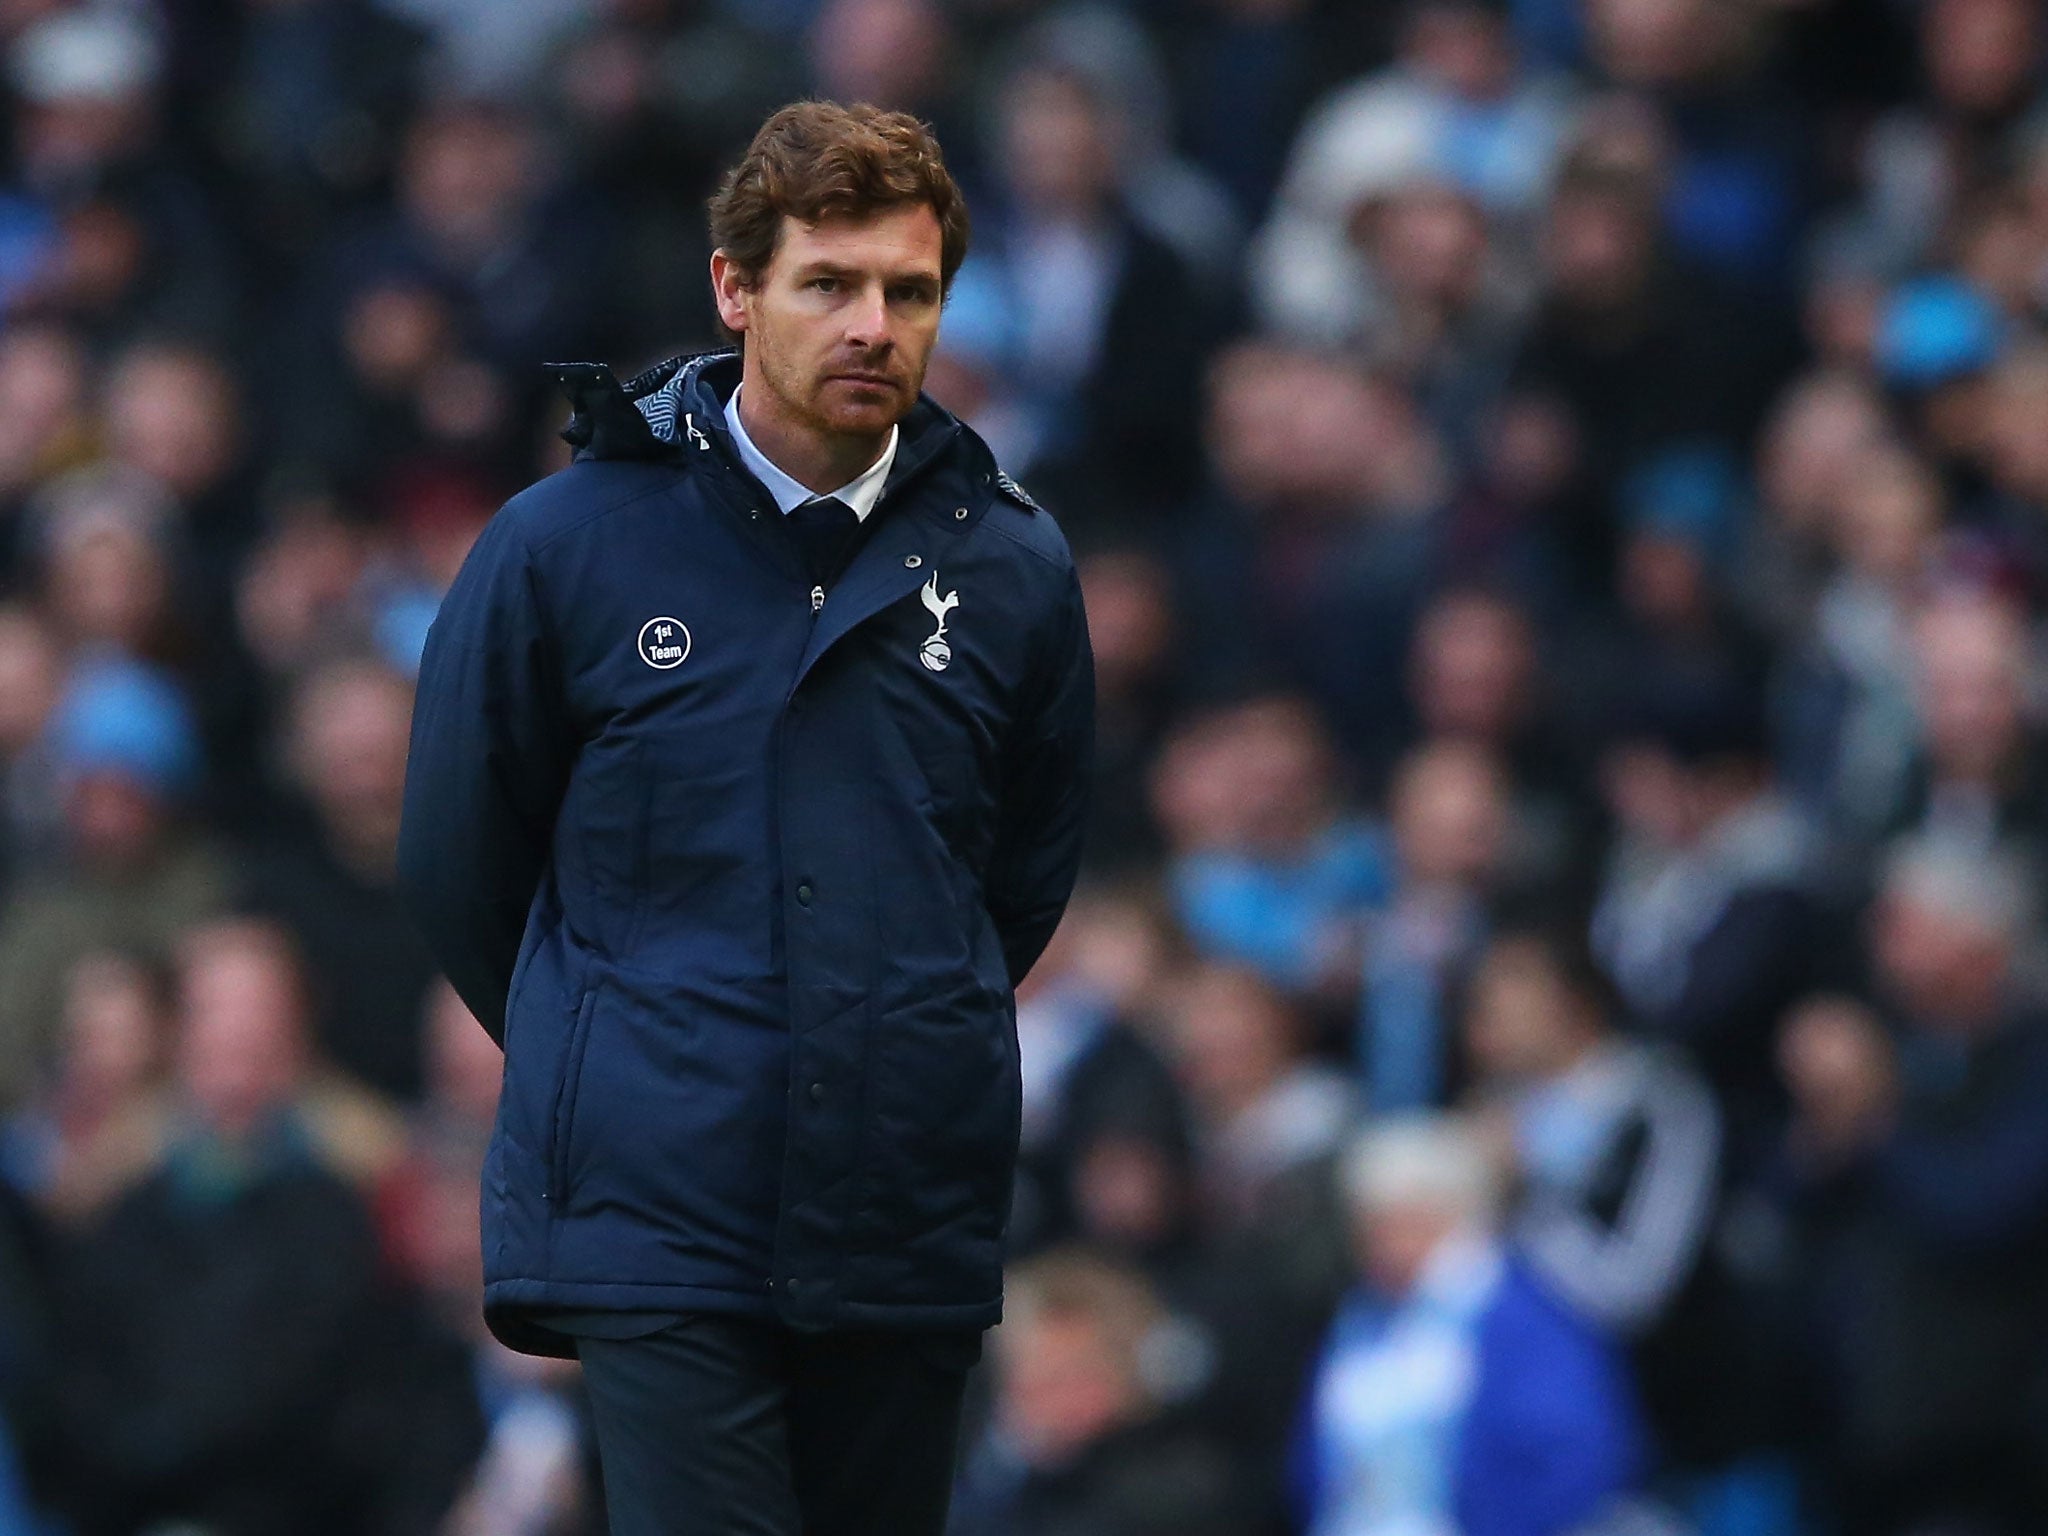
{"x":564,"y":1122}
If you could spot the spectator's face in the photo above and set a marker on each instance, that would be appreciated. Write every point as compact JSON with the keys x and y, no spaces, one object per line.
{"x":393,"y":333}
{"x":1941,"y":967}
{"x":107,"y":581}
{"x":468,"y":175}
{"x":1532,"y":449}
{"x":1061,"y":1389}
{"x":241,"y":1055}
{"x":298,"y":582}
{"x":889,"y":52}
{"x":116,"y":822}
{"x":1429,"y":246}
{"x":1664,"y":582}
{"x":1232,"y":1040}
{"x":1059,"y":154}
{"x":1283,"y":769}
{"x":1127,"y":1194}
{"x":29,"y":677}
{"x":1397,"y":1239}
{"x":173,"y":416}
{"x":1598,"y":246}
{"x":1302,"y":434}
{"x":352,"y":726}
{"x":1462,"y":46}
{"x":1474,"y":661}
{"x":1115,"y":948}
{"x":1129,"y":621}
{"x":42,"y":393}
{"x":1972,"y":657}
{"x":102,"y":254}
{"x":2019,"y":429}
{"x":1999,"y":251}
{"x":1646,"y":789}
{"x":1256,"y":779}
{"x":61,"y":138}
{"x":1811,"y":450}
{"x":113,"y":1030}
{"x":1653,"y":42}
{"x":1981,"y":54}
{"x":1522,"y":1023}
{"x":1889,"y":516}
{"x":1449,"y":814}
{"x":838,"y":330}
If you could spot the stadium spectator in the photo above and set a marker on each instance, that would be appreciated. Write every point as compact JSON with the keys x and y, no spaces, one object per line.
{"x":133,"y":875}
{"x":333,"y":880}
{"x":508,"y":1423}
{"x":1619,"y":1209}
{"x":212,"y":1318}
{"x":1454,"y":1393}
{"x":1268,"y":869}
{"x":98,"y":1121}
{"x":1309,"y":555}
{"x":1139,"y":680}
{"x":1710,"y":917}
{"x":31,"y":680}
{"x":1920,"y":1153}
{"x":1111,"y":332}
{"x":1107,"y":1152}
{"x":1448,"y":818}
{"x":1453,"y":117}
{"x":1081,"y":1439}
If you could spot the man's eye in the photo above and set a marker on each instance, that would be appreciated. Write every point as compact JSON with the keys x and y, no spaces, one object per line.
{"x":825,"y":284}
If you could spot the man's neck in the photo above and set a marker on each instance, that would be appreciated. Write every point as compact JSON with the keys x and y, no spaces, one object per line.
{"x":821,"y":462}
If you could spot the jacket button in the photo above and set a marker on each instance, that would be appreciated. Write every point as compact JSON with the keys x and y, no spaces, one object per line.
{"x":817,"y":1093}
{"x":792,"y":1285}
{"x":803,"y":895}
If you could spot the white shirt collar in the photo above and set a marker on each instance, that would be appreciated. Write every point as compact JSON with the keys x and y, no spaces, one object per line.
{"x":860,"y":493}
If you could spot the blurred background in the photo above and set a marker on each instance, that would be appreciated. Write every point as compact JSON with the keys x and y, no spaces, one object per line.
{"x":1551,"y":1037}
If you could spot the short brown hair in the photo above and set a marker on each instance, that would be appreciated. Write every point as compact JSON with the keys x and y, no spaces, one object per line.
{"x":815,"y":158}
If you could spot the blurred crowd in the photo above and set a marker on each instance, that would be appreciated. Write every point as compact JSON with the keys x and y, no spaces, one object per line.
{"x":1551,"y":1037}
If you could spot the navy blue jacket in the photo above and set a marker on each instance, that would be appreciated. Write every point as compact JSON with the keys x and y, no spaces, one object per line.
{"x":742,"y":883}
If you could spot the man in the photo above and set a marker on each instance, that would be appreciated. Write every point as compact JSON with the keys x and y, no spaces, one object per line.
{"x":1455,"y":1393}
{"x":1081,"y":1438}
{"x":746,"y":784}
{"x":1918,"y":1149}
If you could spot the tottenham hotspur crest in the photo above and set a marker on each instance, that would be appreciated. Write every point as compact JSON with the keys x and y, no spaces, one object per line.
{"x":935,"y":653}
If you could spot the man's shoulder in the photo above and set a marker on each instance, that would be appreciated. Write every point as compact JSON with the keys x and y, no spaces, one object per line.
{"x":1016,"y":515}
{"x":582,"y":493}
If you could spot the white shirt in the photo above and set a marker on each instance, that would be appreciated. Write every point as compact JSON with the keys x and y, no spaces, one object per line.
{"x":860,"y":493}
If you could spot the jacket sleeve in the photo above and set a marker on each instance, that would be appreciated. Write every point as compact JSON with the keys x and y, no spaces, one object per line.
{"x":1621,"y":1267}
{"x":1045,"y":798}
{"x":490,"y":756}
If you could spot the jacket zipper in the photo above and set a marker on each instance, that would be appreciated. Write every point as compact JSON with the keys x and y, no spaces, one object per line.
{"x":817,"y":598}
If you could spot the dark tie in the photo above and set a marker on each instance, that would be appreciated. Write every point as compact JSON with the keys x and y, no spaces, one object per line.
{"x":824,"y":527}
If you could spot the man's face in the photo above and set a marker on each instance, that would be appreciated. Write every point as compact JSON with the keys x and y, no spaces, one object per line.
{"x":838,"y":329}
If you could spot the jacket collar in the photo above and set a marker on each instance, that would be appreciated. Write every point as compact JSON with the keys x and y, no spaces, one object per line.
{"x":677,"y":407}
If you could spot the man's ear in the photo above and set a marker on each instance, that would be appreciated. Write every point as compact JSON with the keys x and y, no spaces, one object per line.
{"x":728,"y":291}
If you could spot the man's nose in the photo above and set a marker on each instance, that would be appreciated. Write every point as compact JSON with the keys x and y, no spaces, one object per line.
{"x":867,"y":325}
